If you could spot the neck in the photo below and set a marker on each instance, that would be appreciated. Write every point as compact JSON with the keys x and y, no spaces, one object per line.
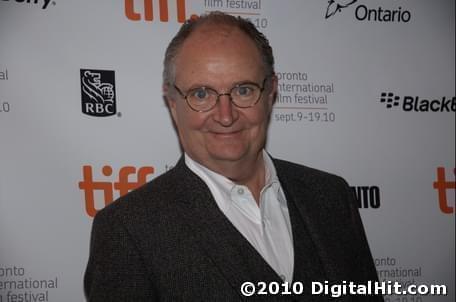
{"x":252,"y":176}
{"x":249,"y":172}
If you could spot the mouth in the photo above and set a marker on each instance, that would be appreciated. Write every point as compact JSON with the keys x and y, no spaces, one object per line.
{"x":226,"y":134}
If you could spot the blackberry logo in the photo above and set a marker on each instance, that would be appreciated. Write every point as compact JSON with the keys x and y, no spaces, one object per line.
{"x":98,"y":93}
{"x":390,"y":99}
{"x":418,"y":104}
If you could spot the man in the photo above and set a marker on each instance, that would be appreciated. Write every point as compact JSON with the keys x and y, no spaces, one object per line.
{"x":227,"y":213}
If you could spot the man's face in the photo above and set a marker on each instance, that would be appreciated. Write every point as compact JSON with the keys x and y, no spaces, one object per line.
{"x":220,"y":59}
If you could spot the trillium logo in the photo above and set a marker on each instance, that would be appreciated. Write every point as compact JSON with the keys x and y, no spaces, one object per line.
{"x":335,"y":6}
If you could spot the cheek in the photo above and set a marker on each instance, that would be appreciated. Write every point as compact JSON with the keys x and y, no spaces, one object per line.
{"x":259,"y":124}
{"x":260,"y":117}
{"x":189,"y":120}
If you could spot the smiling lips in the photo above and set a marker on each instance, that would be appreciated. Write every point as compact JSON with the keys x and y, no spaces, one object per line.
{"x":225,"y":134}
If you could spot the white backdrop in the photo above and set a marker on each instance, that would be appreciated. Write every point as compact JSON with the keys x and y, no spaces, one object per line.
{"x":334,"y":59}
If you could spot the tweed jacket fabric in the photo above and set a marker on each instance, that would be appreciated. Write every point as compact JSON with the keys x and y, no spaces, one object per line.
{"x":168,"y":241}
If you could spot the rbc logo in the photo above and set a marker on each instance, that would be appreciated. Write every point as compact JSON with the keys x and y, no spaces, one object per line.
{"x":123,"y":185}
{"x":98,"y":93}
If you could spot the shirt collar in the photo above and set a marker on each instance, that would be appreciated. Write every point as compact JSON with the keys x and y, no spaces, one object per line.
{"x":225,"y":185}
{"x":221,"y":181}
{"x":271,"y":178}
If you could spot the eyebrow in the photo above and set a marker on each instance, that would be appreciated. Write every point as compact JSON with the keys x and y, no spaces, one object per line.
{"x":243,"y":82}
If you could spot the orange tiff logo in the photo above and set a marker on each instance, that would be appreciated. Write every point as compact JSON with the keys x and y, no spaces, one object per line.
{"x":123,"y":185}
{"x":147,"y":9}
{"x":443,"y":186}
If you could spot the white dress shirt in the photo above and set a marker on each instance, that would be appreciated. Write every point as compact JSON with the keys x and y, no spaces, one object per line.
{"x":266,"y":226}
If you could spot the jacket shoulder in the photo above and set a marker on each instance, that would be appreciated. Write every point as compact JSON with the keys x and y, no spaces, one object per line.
{"x":294,"y":170}
{"x":157,"y":195}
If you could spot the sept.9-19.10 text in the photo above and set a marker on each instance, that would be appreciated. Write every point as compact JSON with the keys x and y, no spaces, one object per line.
{"x":310,"y":116}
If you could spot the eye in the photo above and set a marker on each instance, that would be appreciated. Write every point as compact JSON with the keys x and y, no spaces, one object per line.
{"x":244,"y":90}
{"x":200,"y":93}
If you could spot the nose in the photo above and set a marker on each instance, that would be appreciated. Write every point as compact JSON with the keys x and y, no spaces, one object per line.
{"x":225,"y":112}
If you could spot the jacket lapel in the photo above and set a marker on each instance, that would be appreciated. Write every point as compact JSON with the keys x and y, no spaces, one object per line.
{"x":236,"y":258}
{"x":308,"y":264}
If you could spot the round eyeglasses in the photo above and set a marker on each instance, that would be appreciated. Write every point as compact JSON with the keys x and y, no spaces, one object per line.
{"x":203,"y":99}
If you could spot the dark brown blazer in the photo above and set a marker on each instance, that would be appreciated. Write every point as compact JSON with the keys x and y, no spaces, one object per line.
{"x":168,"y":241}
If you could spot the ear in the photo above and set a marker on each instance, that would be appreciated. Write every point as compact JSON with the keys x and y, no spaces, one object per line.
{"x":170,"y":101}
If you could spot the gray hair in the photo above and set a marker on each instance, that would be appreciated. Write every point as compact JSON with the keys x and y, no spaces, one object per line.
{"x":216,"y":18}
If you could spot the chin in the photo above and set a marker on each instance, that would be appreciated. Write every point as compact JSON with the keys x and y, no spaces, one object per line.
{"x":227,"y":154}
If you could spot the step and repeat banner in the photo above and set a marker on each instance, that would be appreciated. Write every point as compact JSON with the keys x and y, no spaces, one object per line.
{"x":366,"y":91}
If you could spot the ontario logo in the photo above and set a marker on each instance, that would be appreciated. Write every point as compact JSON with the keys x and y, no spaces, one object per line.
{"x":122,"y":185}
{"x":145,"y":10}
{"x":365,"y":13}
{"x":418,"y":104}
{"x":98,"y":92}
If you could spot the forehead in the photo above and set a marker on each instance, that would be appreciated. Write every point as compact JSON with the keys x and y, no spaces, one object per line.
{"x":218,"y":50}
